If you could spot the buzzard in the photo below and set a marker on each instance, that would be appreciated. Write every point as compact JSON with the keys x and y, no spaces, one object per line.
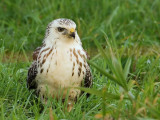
{"x":59,"y":65}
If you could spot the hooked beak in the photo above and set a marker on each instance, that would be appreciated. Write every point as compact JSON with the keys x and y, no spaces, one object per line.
{"x":72,"y":33}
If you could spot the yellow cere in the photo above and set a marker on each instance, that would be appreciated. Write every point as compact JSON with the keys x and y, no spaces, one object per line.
{"x":72,"y":30}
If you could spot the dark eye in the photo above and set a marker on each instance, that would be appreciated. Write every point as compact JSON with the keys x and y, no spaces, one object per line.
{"x":61,"y":29}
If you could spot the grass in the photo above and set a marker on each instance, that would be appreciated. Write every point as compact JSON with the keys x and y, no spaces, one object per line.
{"x":122,"y":38}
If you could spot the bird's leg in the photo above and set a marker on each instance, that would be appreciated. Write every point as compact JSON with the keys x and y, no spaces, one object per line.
{"x":72,"y":99}
{"x":72,"y":96}
{"x":70,"y":105}
{"x":43,"y":99}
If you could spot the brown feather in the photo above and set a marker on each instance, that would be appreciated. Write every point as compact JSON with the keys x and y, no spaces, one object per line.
{"x":36,"y":52}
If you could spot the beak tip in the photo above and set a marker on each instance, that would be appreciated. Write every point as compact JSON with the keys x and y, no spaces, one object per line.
{"x":72,"y":35}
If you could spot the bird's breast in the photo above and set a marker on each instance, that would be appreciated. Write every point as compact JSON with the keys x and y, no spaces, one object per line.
{"x":64,"y":67}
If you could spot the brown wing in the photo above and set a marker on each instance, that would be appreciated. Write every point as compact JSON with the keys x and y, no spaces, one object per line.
{"x":88,"y":77}
{"x":32,"y":72}
{"x":87,"y":80}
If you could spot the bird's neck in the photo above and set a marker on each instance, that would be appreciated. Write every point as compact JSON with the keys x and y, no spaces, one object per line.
{"x":52,"y":42}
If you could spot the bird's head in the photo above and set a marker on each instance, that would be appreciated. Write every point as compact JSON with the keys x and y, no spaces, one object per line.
{"x":62,"y":29}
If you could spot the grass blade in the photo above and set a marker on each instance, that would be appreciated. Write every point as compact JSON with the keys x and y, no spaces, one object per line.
{"x":127,"y":67}
{"x":100,"y":93}
{"x":105,"y":73}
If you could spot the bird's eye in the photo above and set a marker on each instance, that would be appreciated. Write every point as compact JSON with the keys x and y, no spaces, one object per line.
{"x":61,"y":29}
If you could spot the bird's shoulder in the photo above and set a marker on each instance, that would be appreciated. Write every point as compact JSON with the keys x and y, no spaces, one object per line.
{"x":88,"y":56}
{"x":37,"y":51}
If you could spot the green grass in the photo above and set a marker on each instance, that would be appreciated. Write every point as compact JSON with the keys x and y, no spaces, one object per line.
{"x":123,"y":39}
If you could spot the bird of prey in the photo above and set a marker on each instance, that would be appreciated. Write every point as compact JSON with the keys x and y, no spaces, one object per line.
{"x":60,"y":63}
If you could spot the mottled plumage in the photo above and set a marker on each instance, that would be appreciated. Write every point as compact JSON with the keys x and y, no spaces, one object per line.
{"x":60,"y":63}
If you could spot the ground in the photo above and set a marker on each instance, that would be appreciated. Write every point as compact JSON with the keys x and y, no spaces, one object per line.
{"x":122,"y":38}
